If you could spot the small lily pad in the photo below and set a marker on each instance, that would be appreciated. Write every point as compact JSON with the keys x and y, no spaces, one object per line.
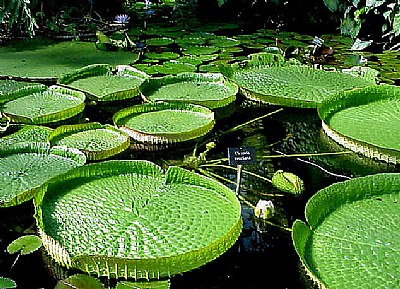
{"x":25,"y":245}
{"x":162,"y":122}
{"x":6,"y":283}
{"x":103,"y":82}
{"x":79,"y":281}
{"x":208,"y":89}
{"x":97,"y":141}
{"x":48,"y":106}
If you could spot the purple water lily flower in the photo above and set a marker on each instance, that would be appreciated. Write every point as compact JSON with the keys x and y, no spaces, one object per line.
{"x":122,"y":19}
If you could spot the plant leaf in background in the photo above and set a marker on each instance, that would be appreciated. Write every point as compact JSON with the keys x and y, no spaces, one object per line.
{"x":79,"y":281}
{"x":157,"y":284}
{"x":352,"y":233}
{"x":25,"y":245}
{"x":49,"y":62}
{"x":6,"y":283}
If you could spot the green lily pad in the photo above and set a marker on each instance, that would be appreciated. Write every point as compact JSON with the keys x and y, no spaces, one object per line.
{"x":287,"y":84}
{"x":159,"y":41}
{"x":223,"y":42}
{"x":6,"y":283}
{"x":208,"y":89}
{"x":103,"y":82}
{"x":200,"y":50}
{"x":163,"y":123}
{"x":352,"y":235}
{"x":79,"y":281}
{"x":26,"y":167}
{"x":11,"y":89}
{"x":365,"y":121}
{"x":153,"y":284}
{"x":172,"y":67}
{"x":97,"y":141}
{"x":51,"y":105}
{"x":166,"y":55}
{"x":54,"y":60}
{"x":28,"y":133}
{"x":134,"y":221}
{"x":25,"y":245}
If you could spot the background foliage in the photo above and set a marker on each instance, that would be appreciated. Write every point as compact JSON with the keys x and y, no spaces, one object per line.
{"x":375,"y":20}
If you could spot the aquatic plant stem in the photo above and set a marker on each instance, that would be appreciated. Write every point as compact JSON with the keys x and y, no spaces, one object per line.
{"x":238,"y":179}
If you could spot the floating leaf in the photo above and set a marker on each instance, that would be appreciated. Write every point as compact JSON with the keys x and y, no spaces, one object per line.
{"x":365,"y":121}
{"x":103,"y":82}
{"x":25,"y":245}
{"x":79,"y":281}
{"x":97,"y":141}
{"x":6,"y":283}
{"x":119,"y":231}
{"x":352,"y":235}
{"x":24,"y":167}
{"x":52,"y":105}
{"x":163,"y":123}
{"x":161,"y":284}
{"x":208,"y":89}
{"x":287,"y":182}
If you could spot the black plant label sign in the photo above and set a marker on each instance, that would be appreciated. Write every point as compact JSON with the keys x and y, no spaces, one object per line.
{"x":241,"y":156}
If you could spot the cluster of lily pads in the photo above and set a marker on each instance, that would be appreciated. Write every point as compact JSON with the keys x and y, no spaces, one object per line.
{"x":135,"y":221}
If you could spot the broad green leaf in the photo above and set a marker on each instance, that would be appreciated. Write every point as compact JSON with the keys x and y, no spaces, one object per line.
{"x":25,"y":245}
{"x":365,"y":120}
{"x":24,"y":167}
{"x":11,"y":89}
{"x":103,"y":82}
{"x":135,"y":221}
{"x":295,"y":85}
{"x":97,"y":141}
{"x":352,"y":234}
{"x":163,"y":122}
{"x":207,"y":89}
{"x":52,"y":105}
{"x":158,"y":284}
{"x":79,"y":281}
{"x":6,"y":283}
{"x":53,"y":60}
{"x":28,"y":133}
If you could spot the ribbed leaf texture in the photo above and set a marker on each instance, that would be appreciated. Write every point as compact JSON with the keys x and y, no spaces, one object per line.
{"x":352,"y":236}
{"x":25,"y":167}
{"x":207,"y":89}
{"x":133,"y":221}
{"x":366,"y":121}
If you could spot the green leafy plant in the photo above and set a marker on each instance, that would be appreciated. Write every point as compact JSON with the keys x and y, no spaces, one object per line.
{"x":25,"y":245}
{"x":6,"y":283}
{"x":351,"y":234}
{"x":360,"y":18}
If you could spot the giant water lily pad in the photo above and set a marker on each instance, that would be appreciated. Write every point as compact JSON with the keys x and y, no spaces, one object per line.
{"x":208,"y":89}
{"x":11,"y":89}
{"x":283,"y":83}
{"x":97,"y":141}
{"x":40,"y":107}
{"x":163,"y":123}
{"x":52,"y":60}
{"x":27,"y":133}
{"x":27,"y":166}
{"x":103,"y":82}
{"x":352,"y":236}
{"x":136,"y":222}
{"x":366,"y":121}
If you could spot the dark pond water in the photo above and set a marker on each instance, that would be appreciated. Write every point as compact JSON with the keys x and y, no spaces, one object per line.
{"x":264,"y":256}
